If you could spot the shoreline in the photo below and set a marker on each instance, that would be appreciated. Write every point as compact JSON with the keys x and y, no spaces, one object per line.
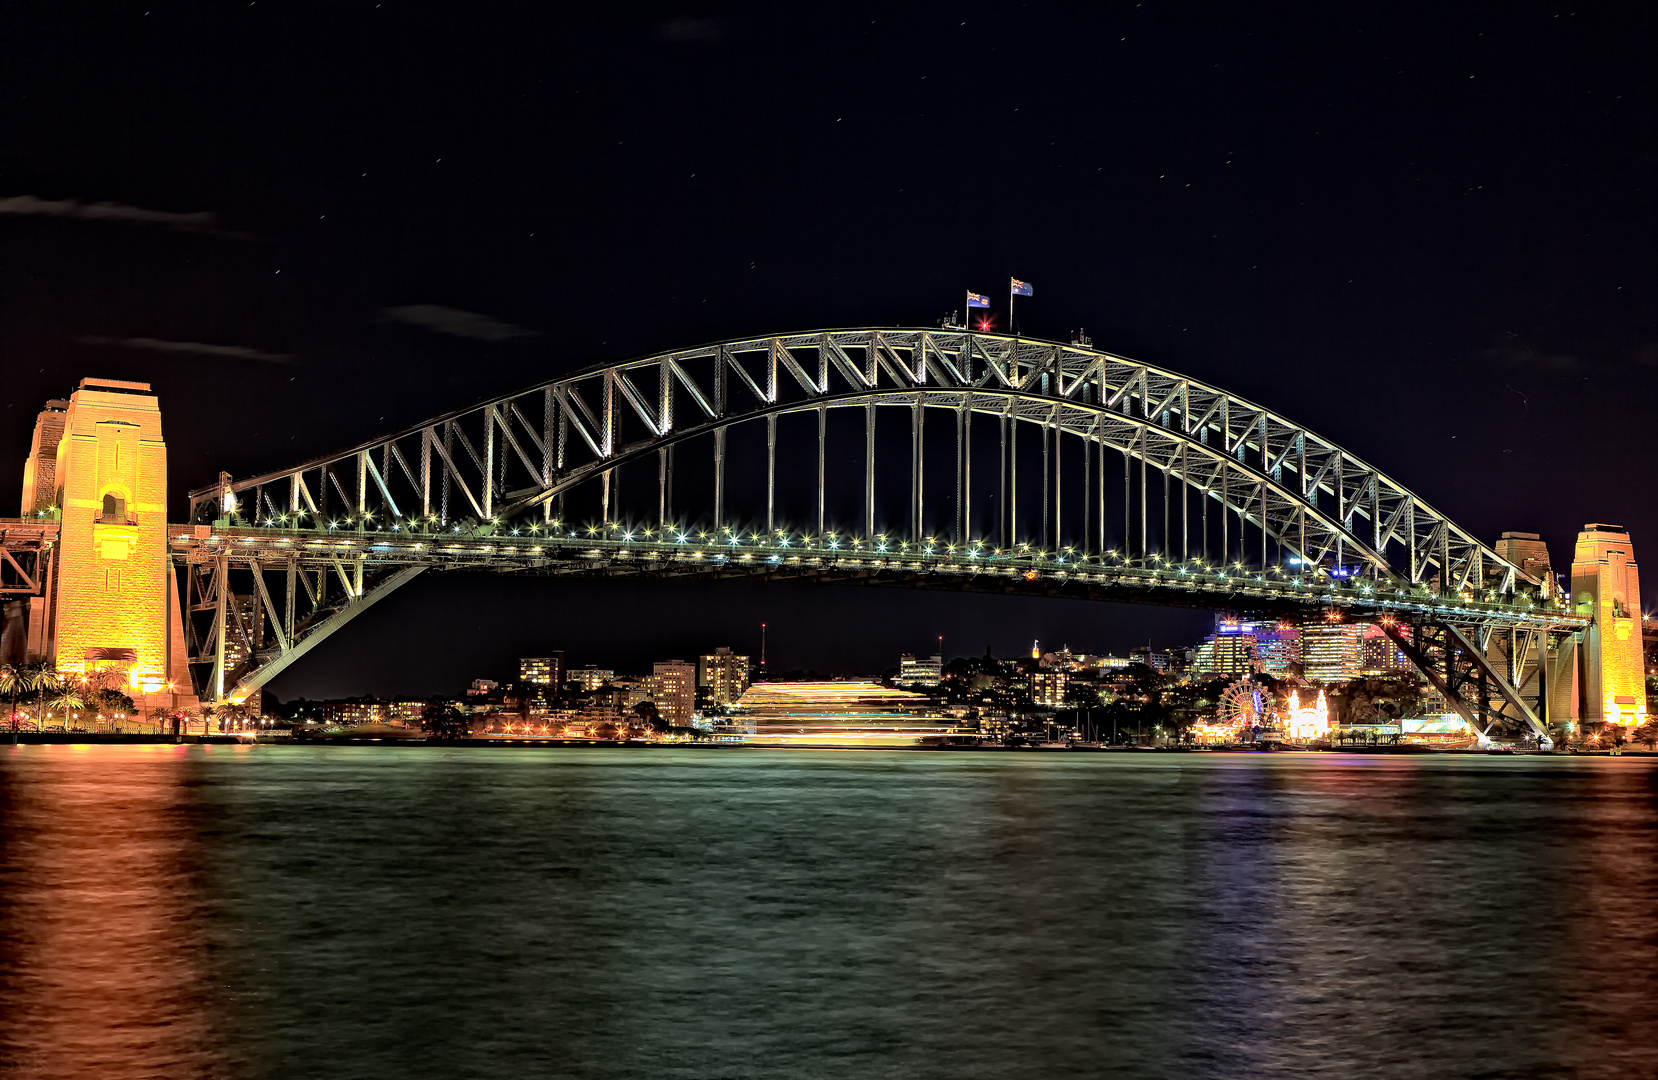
{"x":1409,"y":749}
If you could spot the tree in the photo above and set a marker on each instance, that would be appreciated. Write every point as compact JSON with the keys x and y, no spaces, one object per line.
{"x":101,"y":691}
{"x":14,"y":677}
{"x":1082,"y":695}
{"x":650,"y":716}
{"x":66,"y":699}
{"x":443,"y":721}
{"x":110,"y":701}
{"x":161,"y":715}
{"x":1377,"y":699}
{"x":1646,"y":734}
{"x":44,"y":681}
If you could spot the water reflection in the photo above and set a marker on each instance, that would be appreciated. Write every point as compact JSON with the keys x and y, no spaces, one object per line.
{"x":101,"y":974}
{"x":1600,"y":1008}
{"x":421,"y":912}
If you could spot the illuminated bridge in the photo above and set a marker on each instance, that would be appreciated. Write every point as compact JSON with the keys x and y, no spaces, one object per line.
{"x":1047,"y":469}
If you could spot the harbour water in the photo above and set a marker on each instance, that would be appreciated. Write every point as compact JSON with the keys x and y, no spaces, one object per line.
{"x":505,"y":912}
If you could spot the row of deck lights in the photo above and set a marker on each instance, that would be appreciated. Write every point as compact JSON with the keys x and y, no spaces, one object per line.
{"x":831,"y":542}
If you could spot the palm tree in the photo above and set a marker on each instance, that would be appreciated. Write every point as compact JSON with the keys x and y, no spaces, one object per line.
{"x":13,"y":677}
{"x":46,"y":681}
{"x":160,"y":716}
{"x":66,"y":699}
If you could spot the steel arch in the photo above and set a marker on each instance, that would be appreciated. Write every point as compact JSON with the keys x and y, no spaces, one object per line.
{"x":445,"y":492}
{"x":1317,"y":497}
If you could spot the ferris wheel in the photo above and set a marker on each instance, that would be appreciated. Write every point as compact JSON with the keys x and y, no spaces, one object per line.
{"x":1243,"y":703}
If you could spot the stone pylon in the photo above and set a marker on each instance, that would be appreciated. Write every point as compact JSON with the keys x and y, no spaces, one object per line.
{"x":1611,"y":680}
{"x":115,"y":605}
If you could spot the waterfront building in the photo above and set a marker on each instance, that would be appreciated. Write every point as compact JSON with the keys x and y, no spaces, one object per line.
{"x":672,"y":685}
{"x":354,"y":712}
{"x":618,"y":694}
{"x":591,"y":678}
{"x":406,"y":712}
{"x":917,"y":672}
{"x":547,"y":671}
{"x":1047,"y":688}
{"x":722,"y":676}
{"x":1330,"y":651}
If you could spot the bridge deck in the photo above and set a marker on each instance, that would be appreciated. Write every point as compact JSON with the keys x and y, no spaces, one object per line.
{"x":972,"y":567}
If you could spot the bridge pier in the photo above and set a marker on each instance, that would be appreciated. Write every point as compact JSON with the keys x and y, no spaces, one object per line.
{"x":822,"y":441}
{"x":917,"y":470}
{"x":771,"y":474}
{"x":869,"y":472}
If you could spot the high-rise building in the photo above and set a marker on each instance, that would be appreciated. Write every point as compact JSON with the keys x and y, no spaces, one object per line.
{"x":545,"y":671}
{"x":672,"y":684}
{"x":1277,"y":646}
{"x":917,"y":672}
{"x":245,"y":624}
{"x":1379,"y":653}
{"x":1047,"y":688}
{"x":591,"y":678}
{"x":1230,"y":650}
{"x":1329,"y":651}
{"x":722,"y":676}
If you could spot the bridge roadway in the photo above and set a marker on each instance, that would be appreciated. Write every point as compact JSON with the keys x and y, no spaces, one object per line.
{"x":351,"y":557}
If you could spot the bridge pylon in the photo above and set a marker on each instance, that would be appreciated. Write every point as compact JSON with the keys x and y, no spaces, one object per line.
{"x":105,"y":601}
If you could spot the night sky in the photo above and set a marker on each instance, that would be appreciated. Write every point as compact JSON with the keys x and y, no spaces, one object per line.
{"x":1427,"y":234}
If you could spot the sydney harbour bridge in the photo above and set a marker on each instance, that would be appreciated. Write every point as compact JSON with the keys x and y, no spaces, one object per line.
{"x":944,"y":459}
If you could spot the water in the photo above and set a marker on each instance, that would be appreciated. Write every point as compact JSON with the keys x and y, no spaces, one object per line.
{"x":421,"y":912}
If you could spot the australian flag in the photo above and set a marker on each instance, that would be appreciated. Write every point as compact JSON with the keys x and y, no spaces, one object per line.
{"x":1022,"y":288}
{"x":977,"y":300}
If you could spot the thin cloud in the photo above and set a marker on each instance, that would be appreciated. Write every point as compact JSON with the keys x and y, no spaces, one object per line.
{"x":31,"y":206}
{"x":692,"y":31}
{"x":192,"y":348}
{"x":455,"y":323}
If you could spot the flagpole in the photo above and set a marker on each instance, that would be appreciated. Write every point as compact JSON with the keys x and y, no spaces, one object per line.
{"x":1012,"y":327}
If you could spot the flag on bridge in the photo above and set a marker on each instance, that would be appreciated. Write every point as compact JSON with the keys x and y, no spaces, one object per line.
{"x":1022,"y":288}
{"x":977,"y":300}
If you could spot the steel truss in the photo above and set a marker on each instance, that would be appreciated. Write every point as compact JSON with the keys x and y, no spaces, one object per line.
{"x":26,"y":548}
{"x":1274,"y":491}
{"x":1502,"y":695}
